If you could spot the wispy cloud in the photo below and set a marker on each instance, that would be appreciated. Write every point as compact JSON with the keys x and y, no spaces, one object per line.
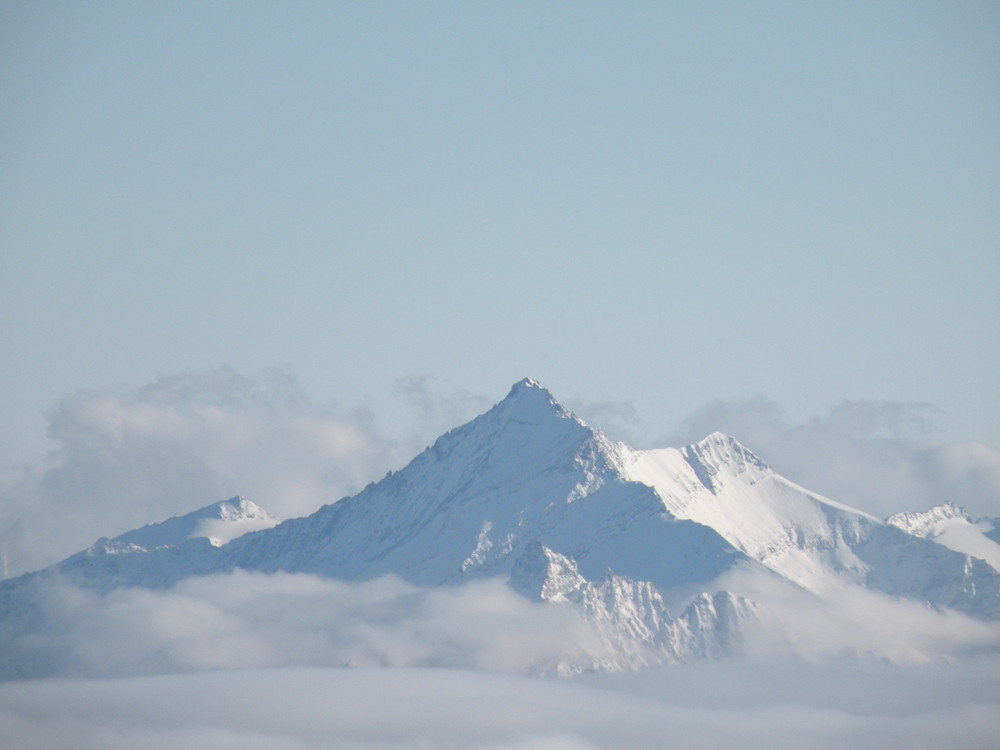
{"x":127,"y":458}
{"x":851,"y":621}
{"x":437,"y":405}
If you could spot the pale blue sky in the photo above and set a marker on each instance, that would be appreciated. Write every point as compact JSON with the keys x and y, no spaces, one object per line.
{"x":649,"y":203}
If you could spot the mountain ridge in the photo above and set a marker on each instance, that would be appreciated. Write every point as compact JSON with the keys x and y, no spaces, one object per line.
{"x":530,"y":493}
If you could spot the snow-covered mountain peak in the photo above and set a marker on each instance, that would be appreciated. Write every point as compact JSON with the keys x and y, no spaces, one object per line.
{"x":922,"y":523}
{"x":235,"y":518}
{"x":719,"y":439}
{"x":719,"y":450}
{"x":526,"y":434}
{"x":530,"y":403}
{"x":951,"y":526}
{"x":219,"y":522}
{"x":721,"y":484}
{"x":239,"y":508}
{"x":526,"y":383}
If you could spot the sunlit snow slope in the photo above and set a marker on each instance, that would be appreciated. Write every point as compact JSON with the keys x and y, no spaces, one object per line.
{"x":951,"y":526}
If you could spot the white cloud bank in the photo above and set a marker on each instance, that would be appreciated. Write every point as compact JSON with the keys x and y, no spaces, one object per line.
{"x":243,"y":620}
{"x":125,"y":459}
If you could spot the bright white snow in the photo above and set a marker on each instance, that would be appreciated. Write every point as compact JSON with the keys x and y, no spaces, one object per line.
{"x":951,"y":526}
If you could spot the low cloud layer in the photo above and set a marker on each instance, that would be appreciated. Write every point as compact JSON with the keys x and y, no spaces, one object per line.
{"x":872,"y":456}
{"x":242,"y":620}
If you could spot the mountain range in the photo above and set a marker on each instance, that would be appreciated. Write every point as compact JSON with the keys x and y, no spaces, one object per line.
{"x":668,"y":554}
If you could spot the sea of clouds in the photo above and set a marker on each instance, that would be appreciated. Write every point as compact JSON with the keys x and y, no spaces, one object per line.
{"x":249,"y":660}
{"x":243,"y":620}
